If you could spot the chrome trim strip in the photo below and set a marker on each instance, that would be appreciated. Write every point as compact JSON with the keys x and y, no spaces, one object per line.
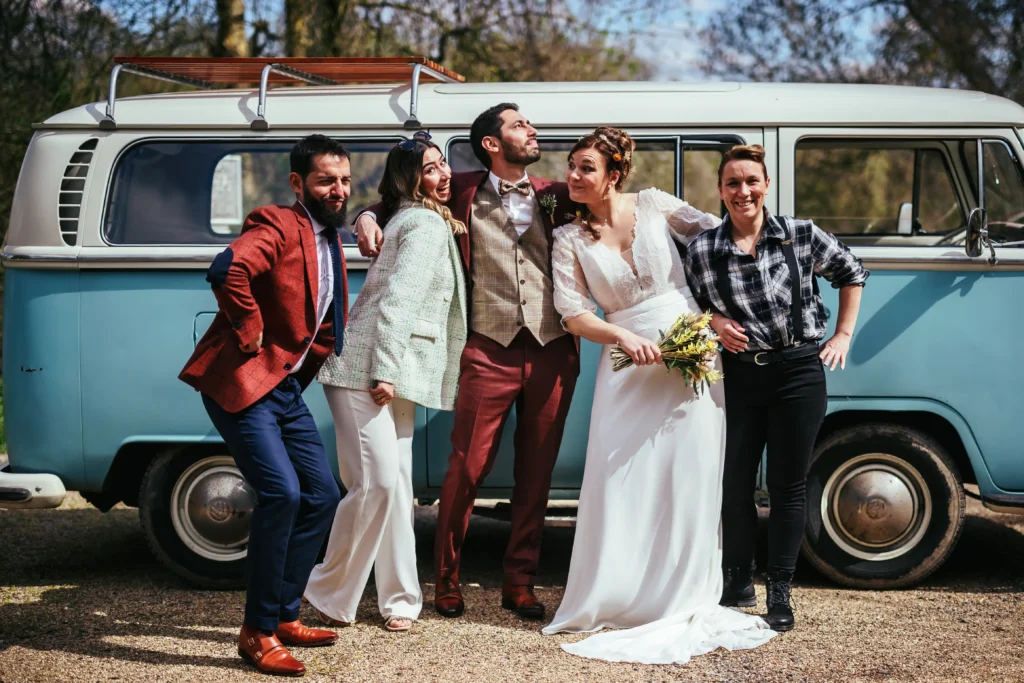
{"x":149,"y":261}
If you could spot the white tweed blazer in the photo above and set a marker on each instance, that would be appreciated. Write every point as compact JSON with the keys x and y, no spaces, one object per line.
{"x":408,"y":324}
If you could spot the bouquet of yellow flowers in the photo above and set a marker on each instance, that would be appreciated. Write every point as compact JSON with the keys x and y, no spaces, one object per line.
{"x":689,"y":345}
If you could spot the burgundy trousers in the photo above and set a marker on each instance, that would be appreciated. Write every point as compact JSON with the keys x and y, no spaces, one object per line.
{"x":538,"y":381}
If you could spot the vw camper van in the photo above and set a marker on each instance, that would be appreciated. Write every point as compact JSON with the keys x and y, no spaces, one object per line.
{"x":122,"y":205}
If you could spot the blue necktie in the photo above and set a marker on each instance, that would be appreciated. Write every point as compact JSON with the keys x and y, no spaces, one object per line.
{"x":339,"y":306}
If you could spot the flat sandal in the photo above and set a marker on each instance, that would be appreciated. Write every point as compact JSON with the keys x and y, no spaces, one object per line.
{"x":390,"y":620}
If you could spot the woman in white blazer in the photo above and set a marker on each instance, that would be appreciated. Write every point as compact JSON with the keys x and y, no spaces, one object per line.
{"x":403,"y":341}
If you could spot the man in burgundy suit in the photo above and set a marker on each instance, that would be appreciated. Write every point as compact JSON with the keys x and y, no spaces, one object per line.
{"x":282,"y":294}
{"x":518,"y":354}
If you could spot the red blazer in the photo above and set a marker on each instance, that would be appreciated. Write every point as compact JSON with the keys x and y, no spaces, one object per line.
{"x":464,"y":187}
{"x":266,"y":281}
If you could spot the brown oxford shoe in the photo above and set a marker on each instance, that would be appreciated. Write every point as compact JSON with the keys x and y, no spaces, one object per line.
{"x":448,"y":598}
{"x":522,"y":601}
{"x":267,"y":654}
{"x":294,"y":633}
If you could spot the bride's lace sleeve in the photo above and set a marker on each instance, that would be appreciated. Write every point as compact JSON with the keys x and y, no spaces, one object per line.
{"x":572,"y":297}
{"x":685,"y":221}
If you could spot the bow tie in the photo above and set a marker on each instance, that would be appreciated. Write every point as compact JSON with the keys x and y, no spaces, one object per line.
{"x":522,"y":187}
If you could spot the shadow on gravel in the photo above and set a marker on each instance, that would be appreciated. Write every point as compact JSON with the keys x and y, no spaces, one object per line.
{"x":84,"y":582}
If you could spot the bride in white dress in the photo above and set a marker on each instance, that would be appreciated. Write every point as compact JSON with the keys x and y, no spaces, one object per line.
{"x":646,"y":560}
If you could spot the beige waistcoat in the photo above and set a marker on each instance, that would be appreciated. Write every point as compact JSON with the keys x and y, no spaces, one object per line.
{"x":512,"y":285}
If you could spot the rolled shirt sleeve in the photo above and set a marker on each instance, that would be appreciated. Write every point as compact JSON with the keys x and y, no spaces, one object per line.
{"x":834,"y":261}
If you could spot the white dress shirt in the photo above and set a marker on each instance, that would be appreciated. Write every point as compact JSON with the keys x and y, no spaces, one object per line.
{"x":326,"y":279}
{"x":518,"y":207}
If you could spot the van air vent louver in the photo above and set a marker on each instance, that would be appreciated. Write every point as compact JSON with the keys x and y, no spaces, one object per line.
{"x":72,"y":185}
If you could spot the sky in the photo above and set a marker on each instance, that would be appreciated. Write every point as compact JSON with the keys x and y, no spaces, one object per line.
{"x":673,"y":43}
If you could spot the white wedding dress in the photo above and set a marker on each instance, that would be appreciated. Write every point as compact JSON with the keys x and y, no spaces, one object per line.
{"x":646,"y":560}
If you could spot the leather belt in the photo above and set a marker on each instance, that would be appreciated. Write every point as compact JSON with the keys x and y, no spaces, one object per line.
{"x":768,"y":357}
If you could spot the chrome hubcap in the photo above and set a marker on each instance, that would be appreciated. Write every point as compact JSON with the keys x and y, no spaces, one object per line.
{"x":211,"y":507}
{"x":876,"y":507}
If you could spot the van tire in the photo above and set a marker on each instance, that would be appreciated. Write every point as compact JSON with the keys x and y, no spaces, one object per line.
{"x":893,"y":507}
{"x":169,"y":489}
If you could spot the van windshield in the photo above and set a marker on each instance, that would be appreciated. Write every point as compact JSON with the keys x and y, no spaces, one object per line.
{"x":199,"y":192}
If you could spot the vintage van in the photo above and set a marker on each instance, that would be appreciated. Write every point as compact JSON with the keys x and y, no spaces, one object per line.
{"x":117,"y":215}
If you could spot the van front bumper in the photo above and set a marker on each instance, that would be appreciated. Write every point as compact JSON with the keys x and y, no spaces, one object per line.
{"x":30,"y":491}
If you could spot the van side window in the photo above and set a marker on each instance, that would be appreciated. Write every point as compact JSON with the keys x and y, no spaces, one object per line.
{"x":655,"y":164}
{"x":1004,"y":190}
{"x":895,"y":193}
{"x":199,"y":192}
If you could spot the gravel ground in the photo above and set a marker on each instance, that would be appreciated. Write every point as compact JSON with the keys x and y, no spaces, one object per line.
{"x":81,"y":599}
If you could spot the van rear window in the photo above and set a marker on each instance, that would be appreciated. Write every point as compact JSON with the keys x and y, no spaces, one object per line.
{"x":199,"y":192}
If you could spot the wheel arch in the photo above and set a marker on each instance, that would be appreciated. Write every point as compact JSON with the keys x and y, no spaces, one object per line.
{"x":130,"y":463}
{"x":931,"y":418}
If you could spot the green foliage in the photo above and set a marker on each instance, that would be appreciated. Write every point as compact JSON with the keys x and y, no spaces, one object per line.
{"x":972,"y":44}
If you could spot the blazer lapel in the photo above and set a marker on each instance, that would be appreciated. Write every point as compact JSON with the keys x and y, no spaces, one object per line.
{"x":464,"y":186}
{"x":308,"y":240}
{"x":460,"y":279}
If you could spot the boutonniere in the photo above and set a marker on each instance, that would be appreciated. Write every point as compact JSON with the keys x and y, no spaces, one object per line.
{"x":548,"y":203}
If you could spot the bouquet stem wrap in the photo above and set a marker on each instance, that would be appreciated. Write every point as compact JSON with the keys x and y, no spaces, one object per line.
{"x":690,"y":345}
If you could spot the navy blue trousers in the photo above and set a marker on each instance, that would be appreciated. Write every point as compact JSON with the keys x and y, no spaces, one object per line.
{"x":278,"y":450}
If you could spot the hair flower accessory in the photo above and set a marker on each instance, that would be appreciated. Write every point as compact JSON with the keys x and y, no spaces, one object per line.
{"x":617,"y":157}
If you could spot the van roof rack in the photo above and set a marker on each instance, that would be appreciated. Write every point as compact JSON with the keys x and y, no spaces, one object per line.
{"x":206,"y":72}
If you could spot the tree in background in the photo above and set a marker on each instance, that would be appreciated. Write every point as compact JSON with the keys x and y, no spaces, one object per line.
{"x":60,"y":52}
{"x":973,"y":44}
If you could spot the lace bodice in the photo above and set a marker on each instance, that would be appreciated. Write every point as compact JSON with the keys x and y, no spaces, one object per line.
{"x":583,"y":267}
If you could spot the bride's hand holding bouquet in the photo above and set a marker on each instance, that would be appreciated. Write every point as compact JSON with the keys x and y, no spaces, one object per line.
{"x":640,"y":350}
{"x":690,"y":345}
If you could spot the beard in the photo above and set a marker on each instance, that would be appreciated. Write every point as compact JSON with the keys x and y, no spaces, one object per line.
{"x":322,"y":214}
{"x":519,"y":154}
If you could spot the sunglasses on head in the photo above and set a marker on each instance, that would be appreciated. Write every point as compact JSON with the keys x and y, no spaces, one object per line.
{"x":418,"y":136}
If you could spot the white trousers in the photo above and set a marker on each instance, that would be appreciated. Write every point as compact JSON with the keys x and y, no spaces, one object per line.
{"x":373,"y":526}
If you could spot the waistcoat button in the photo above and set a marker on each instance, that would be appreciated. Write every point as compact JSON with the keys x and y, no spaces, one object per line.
{"x":287,"y":366}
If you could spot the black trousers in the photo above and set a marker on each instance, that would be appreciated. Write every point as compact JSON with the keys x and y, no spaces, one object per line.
{"x":781,"y":406}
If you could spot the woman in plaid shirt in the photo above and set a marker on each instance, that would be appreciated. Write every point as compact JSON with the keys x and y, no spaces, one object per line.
{"x":770,"y":325}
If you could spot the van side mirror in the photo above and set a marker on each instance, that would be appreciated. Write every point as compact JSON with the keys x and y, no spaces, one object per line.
{"x":977,"y":233}
{"x":905,"y":219}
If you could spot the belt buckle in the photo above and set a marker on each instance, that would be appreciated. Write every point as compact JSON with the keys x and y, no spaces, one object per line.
{"x":758,"y":355}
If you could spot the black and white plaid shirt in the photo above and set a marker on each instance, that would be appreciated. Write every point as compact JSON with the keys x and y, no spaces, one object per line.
{"x":760,"y":284}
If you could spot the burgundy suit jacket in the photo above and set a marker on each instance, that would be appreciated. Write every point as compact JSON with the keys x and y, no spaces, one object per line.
{"x":266,"y":281}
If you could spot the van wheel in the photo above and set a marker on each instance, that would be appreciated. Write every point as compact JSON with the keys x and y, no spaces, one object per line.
{"x":885,"y":506}
{"x":195,"y":511}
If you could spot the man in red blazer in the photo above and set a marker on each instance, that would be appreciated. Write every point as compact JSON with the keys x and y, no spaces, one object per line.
{"x":282,"y":294}
{"x":518,"y":353}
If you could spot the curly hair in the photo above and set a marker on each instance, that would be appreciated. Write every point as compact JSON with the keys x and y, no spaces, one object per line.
{"x":616,"y":147}
{"x":753,"y":153}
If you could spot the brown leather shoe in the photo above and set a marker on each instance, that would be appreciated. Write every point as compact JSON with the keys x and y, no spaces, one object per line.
{"x":294,"y":633}
{"x":522,"y":601}
{"x":448,"y":598}
{"x":267,"y":654}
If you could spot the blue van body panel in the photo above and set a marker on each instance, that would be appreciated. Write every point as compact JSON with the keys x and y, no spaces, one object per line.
{"x":91,"y":359}
{"x":41,"y":360}
{"x":946,"y":341}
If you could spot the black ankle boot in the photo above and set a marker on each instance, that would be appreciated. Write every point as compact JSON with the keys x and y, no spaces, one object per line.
{"x":780,"y":614}
{"x":738,"y":588}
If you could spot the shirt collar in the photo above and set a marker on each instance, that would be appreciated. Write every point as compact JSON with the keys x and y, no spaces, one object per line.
{"x":495,"y":180}
{"x":724,"y":244}
{"x":317,"y":228}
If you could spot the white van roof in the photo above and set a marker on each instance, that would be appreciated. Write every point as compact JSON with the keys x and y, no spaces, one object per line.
{"x":627,"y":104}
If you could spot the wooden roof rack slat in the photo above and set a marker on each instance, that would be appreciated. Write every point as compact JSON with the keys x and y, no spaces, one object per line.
{"x":202,"y":72}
